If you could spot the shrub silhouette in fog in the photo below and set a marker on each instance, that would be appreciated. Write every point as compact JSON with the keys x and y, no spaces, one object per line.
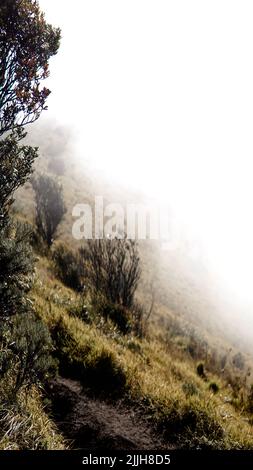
{"x":50,"y":207}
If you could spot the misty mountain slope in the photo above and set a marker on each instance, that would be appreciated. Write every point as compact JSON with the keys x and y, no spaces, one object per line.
{"x":151,"y":374}
{"x":187,"y":330}
{"x":184,"y":289}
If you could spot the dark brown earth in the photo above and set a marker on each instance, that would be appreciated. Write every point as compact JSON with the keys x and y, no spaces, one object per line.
{"x":92,"y":423}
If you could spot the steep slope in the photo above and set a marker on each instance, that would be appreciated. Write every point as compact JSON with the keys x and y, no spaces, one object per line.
{"x":128,"y":374}
{"x":157,"y":373}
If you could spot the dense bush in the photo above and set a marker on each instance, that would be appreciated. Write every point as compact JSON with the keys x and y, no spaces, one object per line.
{"x":113,"y":269}
{"x":16,"y":162}
{"x":16,"y":269}
{"x":112,"y":294}
{"x":26,"y":349}
{"x":68,"y":266}
{"x":16,"y":260}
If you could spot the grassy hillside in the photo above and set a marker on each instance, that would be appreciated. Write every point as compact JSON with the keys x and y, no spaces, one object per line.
{"x":186,"y":375}
{"x":185,"y":292}
{"x":152,"y":373}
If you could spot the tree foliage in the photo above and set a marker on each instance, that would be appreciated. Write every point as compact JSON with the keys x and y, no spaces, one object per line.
{"x":16,"y":269}
{"x":27,"y":351}
{"x":16,"y":165}
{"x":27,"y":42}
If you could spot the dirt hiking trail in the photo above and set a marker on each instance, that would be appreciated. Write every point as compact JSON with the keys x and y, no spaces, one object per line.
{"x":91,"y":423}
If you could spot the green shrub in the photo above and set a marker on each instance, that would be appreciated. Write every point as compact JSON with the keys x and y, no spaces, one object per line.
{"x":68,"y":266}
{"x":113,"y":269}
{"x":16,"y":269}
{"x":26,"y":348}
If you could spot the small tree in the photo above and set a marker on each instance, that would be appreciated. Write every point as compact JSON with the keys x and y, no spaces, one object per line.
{"x":50,"y":207}
{"x":113,"y":269}
{"x":27,"y":42}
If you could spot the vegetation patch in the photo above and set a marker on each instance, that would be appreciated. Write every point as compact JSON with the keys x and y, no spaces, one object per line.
{"x":83,"y":356}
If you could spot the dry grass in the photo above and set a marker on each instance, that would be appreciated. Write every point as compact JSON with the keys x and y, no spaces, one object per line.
{"x":158,"y":372}
{"x":147,"y":372}
{"x":24,"y":425}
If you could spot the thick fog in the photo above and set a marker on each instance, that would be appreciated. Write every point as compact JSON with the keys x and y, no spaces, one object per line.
{"x":158,"y":97}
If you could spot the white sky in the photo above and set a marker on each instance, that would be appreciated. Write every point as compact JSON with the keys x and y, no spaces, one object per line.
{"x":161,"y":95}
